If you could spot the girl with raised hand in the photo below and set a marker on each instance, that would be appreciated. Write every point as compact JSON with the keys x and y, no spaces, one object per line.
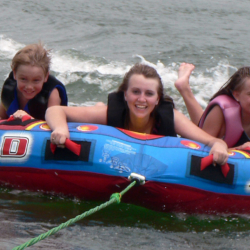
{"x":227,"y":116}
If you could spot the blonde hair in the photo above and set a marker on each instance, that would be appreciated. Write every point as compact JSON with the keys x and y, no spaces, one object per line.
{"x":34,"y":55}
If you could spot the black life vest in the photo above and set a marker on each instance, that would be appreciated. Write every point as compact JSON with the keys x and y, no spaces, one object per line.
{"x":117,"y":113}
{"x":37,"y":106}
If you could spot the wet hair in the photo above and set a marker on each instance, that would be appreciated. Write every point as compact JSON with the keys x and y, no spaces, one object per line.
{"x":34,"y":55}
{"x":147,"y":72}
{"x":234,"y":83}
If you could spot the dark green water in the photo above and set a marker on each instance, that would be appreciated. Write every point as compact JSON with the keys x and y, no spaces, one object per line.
{"x":25,"y":215}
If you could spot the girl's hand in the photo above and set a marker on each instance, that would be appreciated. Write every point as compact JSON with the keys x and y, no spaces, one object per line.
{"x":59,"y":136}
{"x":243,"y":146}
{"x":19,"y":114}
{"x":220,"y":154}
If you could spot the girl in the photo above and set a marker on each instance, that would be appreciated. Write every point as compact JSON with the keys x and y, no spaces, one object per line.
{"x":29,"y":87}
{"x":138,"y":105}
{"x":228,"y":113}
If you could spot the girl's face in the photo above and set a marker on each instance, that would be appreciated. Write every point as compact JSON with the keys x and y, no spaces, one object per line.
{"x":30,"y":80}
{"x":141,"y":96}
{"x":243,"y":96}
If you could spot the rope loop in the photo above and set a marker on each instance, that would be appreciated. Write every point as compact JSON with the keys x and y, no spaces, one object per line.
{"x":116,"y":196}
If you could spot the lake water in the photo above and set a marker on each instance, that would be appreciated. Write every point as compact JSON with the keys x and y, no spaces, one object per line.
{"x":93,"y":44}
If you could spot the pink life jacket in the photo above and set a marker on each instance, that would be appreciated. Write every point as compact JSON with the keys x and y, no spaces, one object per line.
{"x":232,"y":114}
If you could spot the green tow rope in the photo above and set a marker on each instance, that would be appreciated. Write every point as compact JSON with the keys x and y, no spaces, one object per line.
{"x":116,"y":197}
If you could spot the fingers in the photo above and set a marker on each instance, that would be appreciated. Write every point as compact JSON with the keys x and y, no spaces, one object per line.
{"x":19,"y":114}
{"x":58,"y":139}
{"x":220,"y":154}
{"x":243,"y":146}
{"x":219,"y":158}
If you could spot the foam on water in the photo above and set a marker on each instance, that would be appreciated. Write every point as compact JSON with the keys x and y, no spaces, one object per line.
{"x":8,"y":47}
{"x":204,"y":84}
{"x":71,"y":66}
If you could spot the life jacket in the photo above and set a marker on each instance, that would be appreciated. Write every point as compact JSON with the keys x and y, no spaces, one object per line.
{"x":232,"y":114}
{"x":37,"y":106}
{"x":117,"y":108}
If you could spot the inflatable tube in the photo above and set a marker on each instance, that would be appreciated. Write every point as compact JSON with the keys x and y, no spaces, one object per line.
{"x":176,"y":181}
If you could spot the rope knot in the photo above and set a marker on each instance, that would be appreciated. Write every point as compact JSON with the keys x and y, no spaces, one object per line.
{"x":116,"y":196}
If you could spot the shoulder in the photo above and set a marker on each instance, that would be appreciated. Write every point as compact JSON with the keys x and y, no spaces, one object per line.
{"x":52,"y":83}
{"x":214,"y":123}
{"x":215,"y":117}
{"x":215,"y":112}
{"x":224,"y":101}
{"x":54,"y":98}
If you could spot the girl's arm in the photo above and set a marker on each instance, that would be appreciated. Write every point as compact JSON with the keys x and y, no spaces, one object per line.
{"x":54,"y":98}
{"x":214,"y":123}
{"x":57,"y":117}
{"x":185,"y":128}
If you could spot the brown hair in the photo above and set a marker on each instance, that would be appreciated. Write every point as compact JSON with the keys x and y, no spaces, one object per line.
{"x":234,"y":83}
{"x":147,"y":72}
{"x":34,"y":55}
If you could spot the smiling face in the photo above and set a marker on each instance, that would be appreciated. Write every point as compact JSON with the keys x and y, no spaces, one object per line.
{"x":30,"y":80}
{"x":243,"y":96}
{"x":141,"y":96}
